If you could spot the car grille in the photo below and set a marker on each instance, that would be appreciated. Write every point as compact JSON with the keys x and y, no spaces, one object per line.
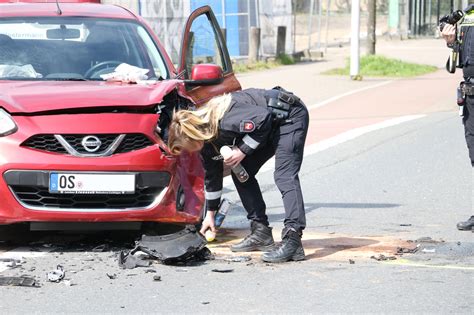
{"x":40,"y":197}
{"x":49,"y":143}
{"x":46,"y":143}
{"x":133,"y":142}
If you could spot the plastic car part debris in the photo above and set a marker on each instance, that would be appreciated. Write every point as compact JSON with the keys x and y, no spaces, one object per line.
{"x":404,"y":250}
{"x":22,"y":281}
{"x":56,"y":275}
{"x":383,"y":257}
{"x":223,"y":270}
{"x":238,"y":258}
{"x":182,"y":247}
{"x":112,"y":276}
{"x":128,"y":261}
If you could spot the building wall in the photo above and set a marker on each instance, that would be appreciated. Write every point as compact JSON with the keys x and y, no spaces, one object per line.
{"x":167,"y":19}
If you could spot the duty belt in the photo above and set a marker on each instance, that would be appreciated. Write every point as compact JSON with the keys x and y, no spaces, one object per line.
{"x":279,"y":102}
{"x":467,"y":88}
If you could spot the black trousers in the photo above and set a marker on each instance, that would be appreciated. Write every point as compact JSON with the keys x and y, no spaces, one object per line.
{"x":468,"y":121}
{"x":287,"y":145}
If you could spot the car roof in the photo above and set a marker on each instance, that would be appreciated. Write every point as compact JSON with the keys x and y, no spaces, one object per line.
{"x":26,"y":9}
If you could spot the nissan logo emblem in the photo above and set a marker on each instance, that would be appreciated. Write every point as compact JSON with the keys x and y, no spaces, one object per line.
{"x":91,"y":143}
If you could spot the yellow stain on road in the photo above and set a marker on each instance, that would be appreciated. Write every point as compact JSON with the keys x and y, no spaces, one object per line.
{"x":321,"y":246}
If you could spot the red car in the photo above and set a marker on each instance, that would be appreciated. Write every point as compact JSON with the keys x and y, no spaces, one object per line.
{"x":74,"y":147}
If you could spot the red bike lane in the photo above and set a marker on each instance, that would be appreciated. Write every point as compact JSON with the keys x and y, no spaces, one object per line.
{"x":426,"y":94}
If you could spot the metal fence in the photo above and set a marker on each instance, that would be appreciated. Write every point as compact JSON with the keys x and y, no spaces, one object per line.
{"x":310,"y":24}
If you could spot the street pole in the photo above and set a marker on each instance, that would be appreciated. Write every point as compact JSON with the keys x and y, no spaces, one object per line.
{"x":320,"y":15}
{"x":355,"y":45}
{"x":465,"y":3}
{"x":328,"y":5}
{"x":310,"y":24}
{"x":371,"y":26}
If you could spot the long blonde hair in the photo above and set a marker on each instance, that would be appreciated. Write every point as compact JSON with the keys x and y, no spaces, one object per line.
{"x":200,"y":125}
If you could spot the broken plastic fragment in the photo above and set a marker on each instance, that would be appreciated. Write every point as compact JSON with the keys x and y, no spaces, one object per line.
{"x":56,"y":275}
{"x":23,"y":281}
{"x":238,"y":258}
{"x":223,"y":270}
{"x":128,"y":261}
{"x":383,"y":257}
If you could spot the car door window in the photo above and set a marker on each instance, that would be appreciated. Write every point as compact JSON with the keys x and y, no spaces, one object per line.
{"x":203,"y":45}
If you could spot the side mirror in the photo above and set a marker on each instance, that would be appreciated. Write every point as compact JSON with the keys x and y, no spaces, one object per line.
{"x":205,"y":74}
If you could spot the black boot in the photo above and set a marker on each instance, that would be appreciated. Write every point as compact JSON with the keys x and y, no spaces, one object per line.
{"x":260,"y":238}
{"x":290,"y":248}
{"x":466,"y":225}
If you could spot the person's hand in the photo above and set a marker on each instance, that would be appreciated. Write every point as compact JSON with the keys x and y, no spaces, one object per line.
{"x":236,"y":157}
{"x":449,"y":33}
{"x":208,"y":223}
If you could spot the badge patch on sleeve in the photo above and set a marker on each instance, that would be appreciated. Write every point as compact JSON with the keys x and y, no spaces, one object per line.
{"x":247,"y":126}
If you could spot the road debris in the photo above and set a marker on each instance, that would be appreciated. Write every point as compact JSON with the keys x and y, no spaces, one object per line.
{"x":383,"y":257}
{"x":351,"y":261}
{"x":112,"y":276}
{"x":22,"y":281}
{"x":183,"y":247}
{"x":428,"y":250}
{"x":405,"y":224}
{"x":405,"y":250}
{"x":238,"y":258}
{"x":150,"y":271}
{"x":128,"y":261}
{"x":223,"y":270}
{"x":56,"y":275}
{"x":156,"y":278}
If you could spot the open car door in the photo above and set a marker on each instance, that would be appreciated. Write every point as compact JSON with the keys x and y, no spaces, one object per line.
{"x":204,"y":60}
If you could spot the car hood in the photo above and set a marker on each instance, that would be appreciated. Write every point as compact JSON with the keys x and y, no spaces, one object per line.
{"x":41,"y":96}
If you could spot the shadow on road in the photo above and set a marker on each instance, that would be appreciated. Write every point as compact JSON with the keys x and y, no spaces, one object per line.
{"x":309,"y":207}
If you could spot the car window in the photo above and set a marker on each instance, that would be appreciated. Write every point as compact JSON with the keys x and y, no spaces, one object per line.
{"x":74,"y":48}
{"x":203,"y":45}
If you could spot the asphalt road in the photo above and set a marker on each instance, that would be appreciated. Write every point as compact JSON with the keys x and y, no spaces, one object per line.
{"x":377,"y":177}
{"x":358,"y":194}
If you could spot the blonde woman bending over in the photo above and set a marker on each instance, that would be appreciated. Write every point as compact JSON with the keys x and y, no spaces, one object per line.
{"x":257,"y":124}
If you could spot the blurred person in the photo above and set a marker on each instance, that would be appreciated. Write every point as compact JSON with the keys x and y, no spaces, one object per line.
{"x":257,"y":124}
{"x":462,"y":44}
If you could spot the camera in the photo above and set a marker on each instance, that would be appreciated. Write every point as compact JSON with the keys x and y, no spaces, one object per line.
{"x":452,"y":19}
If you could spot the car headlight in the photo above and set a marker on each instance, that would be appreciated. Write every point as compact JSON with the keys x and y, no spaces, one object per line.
{"x":7,"y":125}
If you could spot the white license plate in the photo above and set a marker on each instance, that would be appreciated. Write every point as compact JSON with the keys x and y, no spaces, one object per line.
{"x":70,"y":183}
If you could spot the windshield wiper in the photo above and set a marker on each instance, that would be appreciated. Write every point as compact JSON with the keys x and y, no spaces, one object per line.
{"x":66,"y":79}
{"x":20,"y":79}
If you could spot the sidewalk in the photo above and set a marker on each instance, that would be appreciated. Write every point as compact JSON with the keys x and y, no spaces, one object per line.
{"x":338,"y":104}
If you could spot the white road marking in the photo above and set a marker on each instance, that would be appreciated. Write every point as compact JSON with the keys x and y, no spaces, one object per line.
{"x":336,"y":140}
{"x":337,"y":97}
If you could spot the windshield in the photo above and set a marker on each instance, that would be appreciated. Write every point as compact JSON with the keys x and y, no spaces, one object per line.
{"x":74,"y":48}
